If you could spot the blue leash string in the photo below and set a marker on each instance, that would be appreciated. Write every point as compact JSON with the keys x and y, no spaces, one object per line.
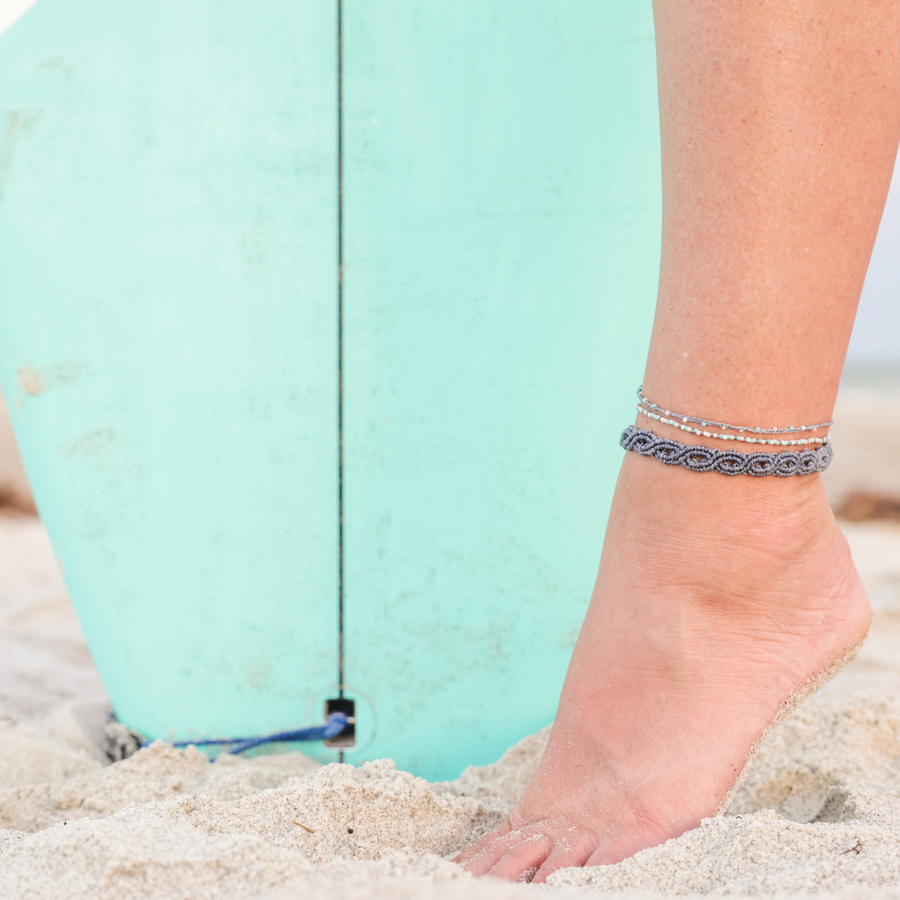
{"x":337,"y":723}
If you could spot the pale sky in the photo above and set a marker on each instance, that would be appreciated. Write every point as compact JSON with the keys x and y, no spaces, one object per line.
{"x":876,"y":337}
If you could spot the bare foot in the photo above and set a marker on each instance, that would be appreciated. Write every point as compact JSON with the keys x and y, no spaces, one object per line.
{"x":718,"y":600}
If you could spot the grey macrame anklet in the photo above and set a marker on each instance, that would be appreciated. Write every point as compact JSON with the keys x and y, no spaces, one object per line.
{"x":698,"y":458}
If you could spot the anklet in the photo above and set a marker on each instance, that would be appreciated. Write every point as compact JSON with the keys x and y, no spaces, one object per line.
{"x":706,"y":423}
{"x":732,"y":437}
{"x":698,"y":458}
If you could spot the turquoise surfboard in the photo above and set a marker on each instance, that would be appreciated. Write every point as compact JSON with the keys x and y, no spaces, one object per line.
{"x":319,"y":322}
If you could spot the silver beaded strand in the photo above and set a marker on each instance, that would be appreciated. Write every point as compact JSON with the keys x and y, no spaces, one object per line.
{"x":736,"y":437}
{"x":740,"y":428}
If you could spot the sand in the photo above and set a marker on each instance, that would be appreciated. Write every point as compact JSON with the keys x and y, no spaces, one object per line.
{"x":818,"y":813}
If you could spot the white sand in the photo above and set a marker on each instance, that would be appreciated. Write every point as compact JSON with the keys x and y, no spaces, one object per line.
{"x":820,"y":811}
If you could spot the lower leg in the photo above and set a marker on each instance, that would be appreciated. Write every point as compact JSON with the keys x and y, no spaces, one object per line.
{"x":779,"y":127}
{"x":718,"y":598}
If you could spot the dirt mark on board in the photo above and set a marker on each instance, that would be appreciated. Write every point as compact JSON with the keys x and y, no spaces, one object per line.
{"x":93,"y":442}
{"x":17,"y":124}
{"x":34,"y":381}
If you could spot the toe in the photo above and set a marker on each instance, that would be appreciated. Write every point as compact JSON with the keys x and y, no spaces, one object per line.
{"x":570,"y":850}
{"x":467,"y":858}
{"x":525,"y":853}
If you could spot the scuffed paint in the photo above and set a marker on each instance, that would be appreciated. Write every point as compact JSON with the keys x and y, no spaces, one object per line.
{"x":35,"y":381}
{"x":17,"y":124}
{"x":93,"y":442}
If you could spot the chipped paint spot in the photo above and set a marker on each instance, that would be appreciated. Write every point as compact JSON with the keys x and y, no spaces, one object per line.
{"x":58,"y":64}
{"x":35,"y":381}
{"x":17,"y":124}
{"x":30,"y":382}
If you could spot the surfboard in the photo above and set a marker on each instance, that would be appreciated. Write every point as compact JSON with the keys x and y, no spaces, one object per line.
{"x":319,"y":322}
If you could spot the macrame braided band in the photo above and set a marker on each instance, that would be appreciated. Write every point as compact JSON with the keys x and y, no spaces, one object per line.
{"x":698,"y":458}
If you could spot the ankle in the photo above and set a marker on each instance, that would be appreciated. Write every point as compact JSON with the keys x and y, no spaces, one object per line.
{"x":758,"y":510}
{"x":724,"y":540}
